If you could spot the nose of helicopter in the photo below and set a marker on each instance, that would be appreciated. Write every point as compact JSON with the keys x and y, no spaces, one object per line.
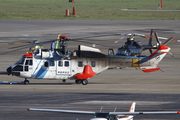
{"x":9,"y":70}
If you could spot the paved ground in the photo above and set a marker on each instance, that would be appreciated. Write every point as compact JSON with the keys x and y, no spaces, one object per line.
{"x":112,"y":88}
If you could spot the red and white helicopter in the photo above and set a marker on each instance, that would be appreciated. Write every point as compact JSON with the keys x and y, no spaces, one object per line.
{"x":86,"y":62}
{"x":110,"y":115}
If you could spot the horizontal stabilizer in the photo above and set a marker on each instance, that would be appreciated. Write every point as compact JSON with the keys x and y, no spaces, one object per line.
{"x":150,"y":68}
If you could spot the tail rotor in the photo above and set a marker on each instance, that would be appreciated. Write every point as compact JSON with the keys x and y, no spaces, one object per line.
{"x":150,"y":41}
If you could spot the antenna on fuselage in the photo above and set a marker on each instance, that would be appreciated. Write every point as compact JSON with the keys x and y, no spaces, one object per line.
{"x":101,"y":109}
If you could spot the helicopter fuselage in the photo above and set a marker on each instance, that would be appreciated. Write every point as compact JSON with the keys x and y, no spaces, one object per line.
{"x":51,"y":65}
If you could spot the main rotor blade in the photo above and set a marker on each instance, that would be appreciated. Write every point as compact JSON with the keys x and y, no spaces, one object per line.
{"x":163,"y":38}
{"x":121,"y":38}
{"x":28,"y":46}
{"x":95,"y":43}
{"x":20,"y":46}
{"x":15,"y":50}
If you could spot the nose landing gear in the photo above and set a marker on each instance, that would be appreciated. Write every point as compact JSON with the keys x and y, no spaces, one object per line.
{"x":26,"y":81}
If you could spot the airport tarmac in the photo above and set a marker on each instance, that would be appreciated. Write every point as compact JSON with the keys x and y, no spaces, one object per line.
{"x":112,"y":88}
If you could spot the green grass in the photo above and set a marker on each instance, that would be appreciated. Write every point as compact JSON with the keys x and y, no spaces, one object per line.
{"x":87,"y":9}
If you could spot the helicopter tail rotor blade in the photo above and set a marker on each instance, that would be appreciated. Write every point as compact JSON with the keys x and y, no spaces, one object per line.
{"x":170,"y":39}
{"x":150,"y":50}
{"x":157,"y":38}
{"x":150,"y":39}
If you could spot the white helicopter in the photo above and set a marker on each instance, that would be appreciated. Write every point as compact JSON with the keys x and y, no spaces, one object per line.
{"x":110,"y":115}
{"x":86,"y":62}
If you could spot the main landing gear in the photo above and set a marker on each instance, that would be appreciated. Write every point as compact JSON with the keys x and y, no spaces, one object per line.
{"x":26,"y":81}
{"x":84,"y":82}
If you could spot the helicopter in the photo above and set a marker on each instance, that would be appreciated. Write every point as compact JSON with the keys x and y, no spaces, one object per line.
{"x":85,"y":62}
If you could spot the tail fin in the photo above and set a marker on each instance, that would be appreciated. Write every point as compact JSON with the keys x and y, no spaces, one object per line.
{"x":132,"y":108}
{"x":162,"y":50}
{"x":155,"y":58}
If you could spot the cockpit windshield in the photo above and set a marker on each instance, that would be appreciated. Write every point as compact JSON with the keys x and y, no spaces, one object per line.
{"x":104,"y":115}
{"x":123,"y":51}
{"x":21,"y":61}
{"x":121,"y":116}
{"x":101,"y":115}
{"x":25,"y":61}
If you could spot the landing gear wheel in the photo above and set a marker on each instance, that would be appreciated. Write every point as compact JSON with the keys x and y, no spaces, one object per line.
{"x":85,"y":82}
{"x":64,"y":80}
{"x":26,"y":81}
{"x":78,"y":81}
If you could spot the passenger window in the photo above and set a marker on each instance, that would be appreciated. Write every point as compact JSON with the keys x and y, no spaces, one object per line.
{"x":46,"y":64}
{"x":66,"y":63}
{"x":51,"y":63}
{"x":93,"y":64}
{"x":60,"y":63}
{"x":80,"y":64}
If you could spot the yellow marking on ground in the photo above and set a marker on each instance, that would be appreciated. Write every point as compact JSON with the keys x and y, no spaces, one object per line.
{"x":4,"y":44}
{"x":18,"y":43}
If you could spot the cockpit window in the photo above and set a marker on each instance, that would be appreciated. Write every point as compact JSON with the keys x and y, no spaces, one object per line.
{"x":27,"y":61}
{"x":21,"y":62}
{"x":101,"y":115}
{"x":30,"y":62}
{"x":123,"y":51}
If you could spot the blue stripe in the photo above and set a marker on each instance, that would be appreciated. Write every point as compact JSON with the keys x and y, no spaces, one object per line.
{"x":35,"y":69}
{"x":41,"y":73}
